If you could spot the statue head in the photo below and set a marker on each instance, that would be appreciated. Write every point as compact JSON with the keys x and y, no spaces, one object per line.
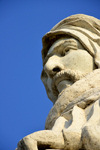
{"x":70,"y":51}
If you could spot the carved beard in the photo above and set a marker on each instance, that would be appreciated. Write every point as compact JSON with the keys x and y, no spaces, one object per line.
{"x":83,"y":93}
{"x":71,"y":76}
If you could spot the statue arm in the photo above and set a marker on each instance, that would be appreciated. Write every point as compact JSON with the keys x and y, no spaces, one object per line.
{"x":45,"y":138}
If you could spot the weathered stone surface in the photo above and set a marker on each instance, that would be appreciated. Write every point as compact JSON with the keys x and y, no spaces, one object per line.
{"x":80,"y":91}
{"x":71,"y":75}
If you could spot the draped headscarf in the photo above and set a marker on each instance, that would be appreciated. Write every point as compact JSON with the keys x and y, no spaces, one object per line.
{"x":84,"y":28}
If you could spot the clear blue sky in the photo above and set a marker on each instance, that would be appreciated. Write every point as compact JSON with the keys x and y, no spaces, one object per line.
{"x":24,"y":105}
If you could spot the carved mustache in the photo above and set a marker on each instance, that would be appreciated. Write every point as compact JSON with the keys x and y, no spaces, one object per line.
{"x":68,"y":74}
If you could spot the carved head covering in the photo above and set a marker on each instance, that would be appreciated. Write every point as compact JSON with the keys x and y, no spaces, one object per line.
{"x":85,"y":29}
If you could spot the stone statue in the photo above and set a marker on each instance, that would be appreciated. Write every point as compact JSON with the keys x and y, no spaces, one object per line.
{"x":71,"y":75}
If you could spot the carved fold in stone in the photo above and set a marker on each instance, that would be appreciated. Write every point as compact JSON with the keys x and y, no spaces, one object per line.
{"x":91,"y":130}
{"x":72,"y":135}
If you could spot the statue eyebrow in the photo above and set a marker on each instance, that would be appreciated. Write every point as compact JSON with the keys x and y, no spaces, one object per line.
{"x":65,"y":42}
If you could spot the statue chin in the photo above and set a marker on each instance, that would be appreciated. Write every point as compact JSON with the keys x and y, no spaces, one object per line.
{"x":63,"y":85}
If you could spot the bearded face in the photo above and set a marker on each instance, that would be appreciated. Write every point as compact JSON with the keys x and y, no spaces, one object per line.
{"x":66,"y":62}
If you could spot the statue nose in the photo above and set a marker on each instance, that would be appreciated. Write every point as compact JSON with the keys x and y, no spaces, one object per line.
{"x":53,"y":66}
{"x":56,"y":69}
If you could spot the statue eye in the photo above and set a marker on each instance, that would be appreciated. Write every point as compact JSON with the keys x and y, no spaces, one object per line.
{"x":64,"y":52}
